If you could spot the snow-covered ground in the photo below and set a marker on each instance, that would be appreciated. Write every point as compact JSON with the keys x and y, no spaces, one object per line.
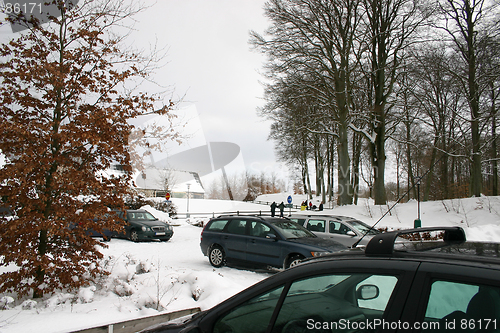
{"x":150,"y":278}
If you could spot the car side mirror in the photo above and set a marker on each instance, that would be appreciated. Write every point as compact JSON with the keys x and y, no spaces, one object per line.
{"x":351,"y":233}
{"x":367,"y":292}
{"x":272,"y":236}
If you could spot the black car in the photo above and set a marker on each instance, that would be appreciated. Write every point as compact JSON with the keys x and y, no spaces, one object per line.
{"x":261,"y":241}
{"x":142,"y":225}
{"x":425,"y":286}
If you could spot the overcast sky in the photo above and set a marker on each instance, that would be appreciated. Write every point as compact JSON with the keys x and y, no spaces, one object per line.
{"x":211,"y":63}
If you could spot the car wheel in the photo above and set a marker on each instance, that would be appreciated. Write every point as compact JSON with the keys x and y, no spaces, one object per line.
{"x":293,"y":261}
{"x":216,"y":256}
{"x":133,"y":236}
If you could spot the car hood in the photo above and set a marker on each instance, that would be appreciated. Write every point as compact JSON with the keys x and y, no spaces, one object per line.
{"x":324,"y":243}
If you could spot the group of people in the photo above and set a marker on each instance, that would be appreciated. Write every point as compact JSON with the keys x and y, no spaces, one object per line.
{"x":281,"y":207}
{"x":303,"y":206}
{"x":310,"y":206}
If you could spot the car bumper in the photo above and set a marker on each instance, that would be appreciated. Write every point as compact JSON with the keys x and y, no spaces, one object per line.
{"x":150,"y":235}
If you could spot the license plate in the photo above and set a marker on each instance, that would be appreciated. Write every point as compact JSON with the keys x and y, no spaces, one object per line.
{"x":160,"y":234}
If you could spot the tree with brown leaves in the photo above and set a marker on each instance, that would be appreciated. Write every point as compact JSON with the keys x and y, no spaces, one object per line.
{"x":64,"y":111}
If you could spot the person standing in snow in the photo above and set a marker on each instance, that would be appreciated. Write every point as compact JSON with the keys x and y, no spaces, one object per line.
{"x":282,"y":208}
{"x":273,"y":209}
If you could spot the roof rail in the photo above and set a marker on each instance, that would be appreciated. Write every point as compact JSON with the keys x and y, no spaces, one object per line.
{"x":244,"y":215}
{"x":383,"y":244}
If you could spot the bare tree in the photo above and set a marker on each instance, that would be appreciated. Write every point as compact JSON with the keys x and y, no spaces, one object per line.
{"x":466,"y":22}
{"x":388,"y":29}
{"x":315,"y":39}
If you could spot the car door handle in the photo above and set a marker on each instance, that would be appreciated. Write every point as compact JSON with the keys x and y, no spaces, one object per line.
{"x":225,"y":237}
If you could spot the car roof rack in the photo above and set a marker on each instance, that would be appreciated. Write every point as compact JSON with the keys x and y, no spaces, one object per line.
{"x":383,"y":244}
{"x":246,"y":215}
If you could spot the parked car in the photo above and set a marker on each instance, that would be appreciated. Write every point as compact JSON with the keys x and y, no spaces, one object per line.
{"x":262,"y":241}
{"x":106,"y":234}
{"x":343,"y":229}
{"x":453,"y":286}
{"x":142,"y":225}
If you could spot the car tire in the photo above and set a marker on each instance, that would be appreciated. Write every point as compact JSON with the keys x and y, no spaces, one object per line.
{"x":293,"y":261}
{"x":133,"y":236}
{"x":216,"y":256}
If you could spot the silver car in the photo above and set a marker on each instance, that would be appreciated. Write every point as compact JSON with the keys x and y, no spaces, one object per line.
{"x":343,"y":229}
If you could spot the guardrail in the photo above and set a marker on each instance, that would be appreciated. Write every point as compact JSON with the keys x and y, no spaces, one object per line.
{"x":266,"y":212}
{"x":134,"y":325}
{"x":237,"y":212}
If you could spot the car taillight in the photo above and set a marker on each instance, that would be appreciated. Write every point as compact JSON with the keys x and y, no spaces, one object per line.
{"x":201,"y":235}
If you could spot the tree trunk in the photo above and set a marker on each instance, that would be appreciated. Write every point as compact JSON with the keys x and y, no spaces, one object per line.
{"x":411,"y":177}
{"x":378,"y":158}
{"x":428,"y":181}
{"x":40,"y":271}
{"x":356,"y":160}
{"x":344,"y":174}
{"x":494,"y":154}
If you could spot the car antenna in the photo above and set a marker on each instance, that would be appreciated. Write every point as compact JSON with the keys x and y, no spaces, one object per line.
{"x":397,"y":201}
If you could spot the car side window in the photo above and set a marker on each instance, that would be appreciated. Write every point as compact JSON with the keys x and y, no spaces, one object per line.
{"x":217,"y":225}
{"x":259,"y":229}
{"x":316,"y":225}
{"x":327,"y":301}
{"x":299,"y":221}
{"x":338,"y":228}
{"x":463,"y":304}
{"x":334,"y":227}
{"x":237,"y":227}
{"x":253,"y":316}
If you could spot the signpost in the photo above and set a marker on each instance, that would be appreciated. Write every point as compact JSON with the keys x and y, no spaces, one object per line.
{"x":167,"y":196}
{"x":289,"y":205}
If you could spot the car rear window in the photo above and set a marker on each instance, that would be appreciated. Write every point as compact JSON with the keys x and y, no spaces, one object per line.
{"x":217,"y":225}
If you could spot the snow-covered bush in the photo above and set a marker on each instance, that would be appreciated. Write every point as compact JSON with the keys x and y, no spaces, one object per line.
{"x":6,"y":302}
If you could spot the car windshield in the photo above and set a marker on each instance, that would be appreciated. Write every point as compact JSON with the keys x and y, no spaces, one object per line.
{"x":363,"y":228}
{"x":141,"y":216}
{"x":292,"y":230}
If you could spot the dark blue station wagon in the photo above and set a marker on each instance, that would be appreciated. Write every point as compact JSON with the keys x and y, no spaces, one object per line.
{"x":261,"y":241}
